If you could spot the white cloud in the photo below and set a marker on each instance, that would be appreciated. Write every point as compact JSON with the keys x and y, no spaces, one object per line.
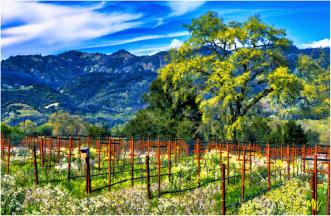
{"x":150,"y":51}
{"x":141,"y":38}
{"x":59,"y":25}
{"x":317,"y":44}
{"x":159,"y":22}
{"x":175,"y":44}
{"x":182,"y":7}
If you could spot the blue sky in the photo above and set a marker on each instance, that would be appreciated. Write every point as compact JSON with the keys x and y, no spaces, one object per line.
{"x":143,"y":28}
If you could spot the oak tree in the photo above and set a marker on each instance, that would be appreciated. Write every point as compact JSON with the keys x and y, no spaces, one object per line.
{"x":231,"y":67}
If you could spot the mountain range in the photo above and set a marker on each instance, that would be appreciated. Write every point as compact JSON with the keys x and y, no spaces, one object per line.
{"x":101,"y":88}
{"x":98,"y":87}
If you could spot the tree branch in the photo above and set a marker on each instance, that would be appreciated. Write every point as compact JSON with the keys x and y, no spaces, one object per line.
{"x":255,"y":100}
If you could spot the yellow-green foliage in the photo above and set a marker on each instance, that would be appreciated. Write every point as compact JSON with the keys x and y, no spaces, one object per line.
{"x":321,"y":126}
{"x":245,"y":65}
{"x":65,"y":124}
{"x":289,"y":200}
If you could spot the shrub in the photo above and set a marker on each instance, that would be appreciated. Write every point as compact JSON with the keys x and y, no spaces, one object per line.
{"x":288,"y":200}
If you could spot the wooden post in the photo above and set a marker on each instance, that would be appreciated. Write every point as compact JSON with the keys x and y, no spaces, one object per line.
{"x":223,"y":188}
{"x":88,"y":179}
{"x":41,"y":153}
{"x":268,"y":166}
{"x":132,"y":160}
{"x":148,"y":178}
{"x":288,"y":162}
{"x":109,"y":164}
{"x":35,"y":164}
{"x":221,"y":164}
{"x":69,"y":157}
{"x":8,"y":156}
{"x":243,"y":176}
{"x":169,"y":159}
{"x":78,"y":144}
{"x":312,"y":183}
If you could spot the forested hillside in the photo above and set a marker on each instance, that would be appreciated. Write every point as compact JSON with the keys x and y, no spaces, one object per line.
{"x":100,"y":88}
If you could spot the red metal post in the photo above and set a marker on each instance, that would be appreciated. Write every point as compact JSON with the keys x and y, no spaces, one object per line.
{"x":288,"y":162}
{"x":198,"y":158}
{"x":303,"y":156}
{"x":58,"y":150}
{"x":2,"y":146}
{"x":227,"y":161}
{"x":132,"y":160}
{"x":8,"y":156}
{"x":268,"y":166}
{"x":79,"y":146}
{"x":99,"y":152}
{"x":50,"y":153}
{"x":109,"y":164}
{"x":328,"y":192}
{"x":176,"y":151}
{"x":250,"y":156}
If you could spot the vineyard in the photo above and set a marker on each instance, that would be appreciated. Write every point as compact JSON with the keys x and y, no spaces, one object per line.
{"x":109,"y":175}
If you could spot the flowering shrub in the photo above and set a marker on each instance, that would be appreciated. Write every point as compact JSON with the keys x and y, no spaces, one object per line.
{"x":11,"y":196}
{"x":64,"y":165}
{"x":48,"y":200}
{"x":289,"y":200}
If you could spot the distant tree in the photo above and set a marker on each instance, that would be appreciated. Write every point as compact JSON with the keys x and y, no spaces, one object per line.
{"x":5,"y":129}
{"x":293,"y":133}
{"x":276,"y":136}
{"x":312,"y":137}
{"x":105,"y":127}
{"x":256,"y":131}
{"x":142,"y":125}
{"x":95,"y":131}
{"x":28,"y":127}
{"x":44,"y":129}
{"x":64,"y":124}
